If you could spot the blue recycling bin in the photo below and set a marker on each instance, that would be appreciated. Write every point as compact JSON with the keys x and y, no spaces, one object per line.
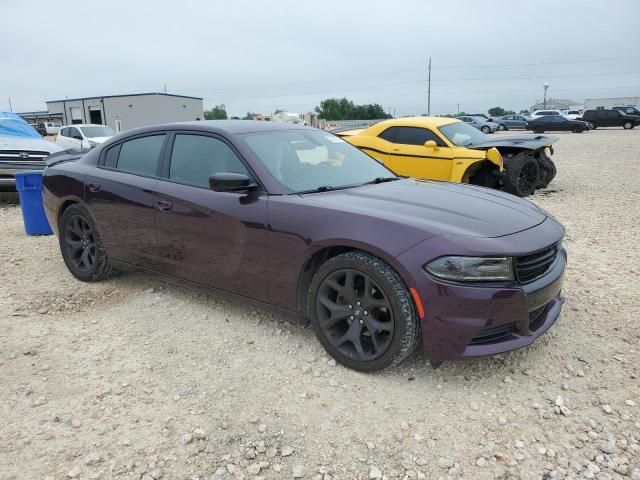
{"x":29,"y":186}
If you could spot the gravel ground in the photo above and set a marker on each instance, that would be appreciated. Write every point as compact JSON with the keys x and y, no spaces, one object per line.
{"x":137,"y":378}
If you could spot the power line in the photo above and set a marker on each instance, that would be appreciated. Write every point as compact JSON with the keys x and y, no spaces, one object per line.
{"x":380,"y":74}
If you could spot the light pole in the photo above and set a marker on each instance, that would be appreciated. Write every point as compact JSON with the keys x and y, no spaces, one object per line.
{"x":545,"y":85}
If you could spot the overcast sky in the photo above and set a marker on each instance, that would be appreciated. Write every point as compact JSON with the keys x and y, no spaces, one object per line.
{"x":290,"y":54}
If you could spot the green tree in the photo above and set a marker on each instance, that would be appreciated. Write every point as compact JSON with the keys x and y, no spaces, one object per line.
{"x":248,"y":116}
{"x":343,"y":109}
{"x":216,"y":113}
{"x":497,"y":111}
{"x":524,"y":112}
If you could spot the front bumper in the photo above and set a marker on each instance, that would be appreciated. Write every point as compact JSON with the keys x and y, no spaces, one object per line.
{"x":8,"y":171}
{"x":476,"y":320}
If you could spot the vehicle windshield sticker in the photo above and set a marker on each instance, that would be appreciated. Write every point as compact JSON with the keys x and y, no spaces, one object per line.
{"x":334,"y":139}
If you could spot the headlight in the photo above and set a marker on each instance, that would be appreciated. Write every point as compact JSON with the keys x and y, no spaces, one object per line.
{"x":470,"y":269}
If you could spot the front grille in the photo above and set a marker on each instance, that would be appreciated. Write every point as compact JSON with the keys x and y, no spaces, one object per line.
{"x":20,"y":156}
{"x":530,"y":267}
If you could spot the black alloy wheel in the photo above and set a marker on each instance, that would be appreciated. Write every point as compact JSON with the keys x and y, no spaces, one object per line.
{"x":577,"y":129}
{"x":355,"y":314}
{"x":362,"y":312}
{"x":521,"y":174}
{"x":81,"y":245}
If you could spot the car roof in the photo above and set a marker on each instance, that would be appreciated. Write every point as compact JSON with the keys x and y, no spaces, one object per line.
{"x":229,"y":127}
{"x":83,"y":125}
{"x":418,"y":121}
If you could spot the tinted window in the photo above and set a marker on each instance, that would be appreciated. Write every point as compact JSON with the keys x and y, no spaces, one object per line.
{"x":63,"y":132}
{"x":410,"y":136}
{"x":195,"y":157}
{"x":141,"y":155}
{"x":111,"y":157}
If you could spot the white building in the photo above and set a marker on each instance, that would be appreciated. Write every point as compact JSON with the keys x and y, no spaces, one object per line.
{"x":124,"y":112}
{"x":595,"y":103}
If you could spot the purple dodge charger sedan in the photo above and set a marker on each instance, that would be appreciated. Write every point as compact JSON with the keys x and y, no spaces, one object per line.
{"x":299,"y":221}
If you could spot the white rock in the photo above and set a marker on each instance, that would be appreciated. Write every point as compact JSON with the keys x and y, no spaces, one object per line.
{"x":253,"y":469}
{"x":371,"y":445}
{"x":286,"y":451}
{"x":92,"y":458}
{"x":199,"y":434}
{"x":375,"y":473}
{"x":422,"y":461}
{"x":262,"y":428}
{"x":74,"y":472}
{"x":186,"y":438}
{"x":445,"y":463}
{"x":635,"y":474}
{"x":156,"y":473}
{"x":334,"y":382}
{"x":332,"y":363}
{"x":608,"y":445}
{"x":607,"y":409}
{"x":559,"y":401}
{"x":630,"y":403}
{"x":481,"y":462}
{"x":298,"y":471}
{"x":271,"y":452}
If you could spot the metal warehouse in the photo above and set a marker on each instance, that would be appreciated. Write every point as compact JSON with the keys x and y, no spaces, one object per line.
{"x":124,"y":112}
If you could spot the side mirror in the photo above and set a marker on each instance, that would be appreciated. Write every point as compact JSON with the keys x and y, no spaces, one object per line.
{"x":230,"y":182}
{"x":431,"y":144}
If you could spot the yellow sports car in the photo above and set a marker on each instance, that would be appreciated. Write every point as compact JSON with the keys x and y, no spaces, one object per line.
{"x":447,"y":149}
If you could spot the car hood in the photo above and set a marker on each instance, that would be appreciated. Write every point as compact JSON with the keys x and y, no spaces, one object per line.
{"x":437,"y":208}
{"x":98,"y":139}
{"x":8,"y":142}
{"x":532,"y":142}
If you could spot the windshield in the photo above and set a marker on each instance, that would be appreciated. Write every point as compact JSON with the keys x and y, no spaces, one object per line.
{"x":463,"y":135}
{"x":101,"y":131}
{"x":308,"y":160}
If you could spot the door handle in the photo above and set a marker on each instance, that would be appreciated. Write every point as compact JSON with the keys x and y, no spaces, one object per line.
{"x":164,"y":206}
{"x":94,"y":187}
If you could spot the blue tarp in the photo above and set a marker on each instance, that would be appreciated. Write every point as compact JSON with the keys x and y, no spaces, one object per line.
{"x":15,"y":126}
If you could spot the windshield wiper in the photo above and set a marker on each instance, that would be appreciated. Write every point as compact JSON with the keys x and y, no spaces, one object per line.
{"x":323,"y":188}
{"x":381,"y":180}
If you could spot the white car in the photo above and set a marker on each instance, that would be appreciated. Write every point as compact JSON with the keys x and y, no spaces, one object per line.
{"x":542,"y":113}
{"x":83,"y":136}
{"x":573,"y":114}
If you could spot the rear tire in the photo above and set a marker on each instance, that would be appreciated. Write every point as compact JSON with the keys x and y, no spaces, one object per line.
{"x":538,"y":130}
{"x":502,"y":127}
{"x":522,"y":175}
{"x":577,"y":130}
{"x":594,"y":125}
{"x":362,"y":312}
{"x":81,"y":245}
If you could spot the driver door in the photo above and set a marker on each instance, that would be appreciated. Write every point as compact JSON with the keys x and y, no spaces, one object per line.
{"x":409,"y":156}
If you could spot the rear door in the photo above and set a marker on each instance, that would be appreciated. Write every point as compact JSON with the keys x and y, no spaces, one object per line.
{"x":217,"y":239}
{"x":121,"y":197}
{"x":409,"y":156}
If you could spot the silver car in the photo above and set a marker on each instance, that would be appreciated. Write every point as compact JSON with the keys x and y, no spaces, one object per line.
{"x":481,"y":124}
{"x":511,"y":122}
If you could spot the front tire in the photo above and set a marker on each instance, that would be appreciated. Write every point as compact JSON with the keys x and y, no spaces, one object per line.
{"x":627,"y":125}
{"x":362,"y":312}
{"x":522,"y":175}
{"x":485,"y":129}
{"x":81,"y":245}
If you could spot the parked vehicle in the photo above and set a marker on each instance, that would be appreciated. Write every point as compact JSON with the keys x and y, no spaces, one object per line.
{"x":511,"y":122}
{"x":556,"y":123}
{"x":573,"y":114}
{"x":482,"y":115}
{"x":610,"y":118}
{"x":83,"y":136}
{"x":21,"y":148}
{"x":628,"y":110}
{"x":51,"y":128}
{"x":544,"y":113}
{"x":290,"y":217}
{"x":447,"y":149}
{"x":485,"y":126}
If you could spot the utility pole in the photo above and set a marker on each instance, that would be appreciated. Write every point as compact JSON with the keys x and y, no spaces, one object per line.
{"x":10,"y":106}
{"x":458,"y":109}
{"x":429,"y":90}
{"x":546,"y":87}
{"x":165,"y":87}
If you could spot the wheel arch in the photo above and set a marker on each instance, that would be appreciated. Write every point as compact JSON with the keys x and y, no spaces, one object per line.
{"x":324,"y":251}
